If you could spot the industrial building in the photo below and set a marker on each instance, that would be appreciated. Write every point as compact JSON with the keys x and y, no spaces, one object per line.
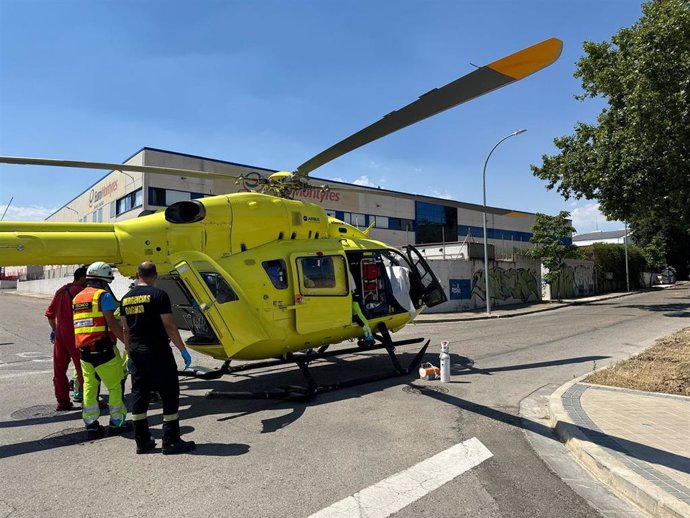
{"x":399,"y":218}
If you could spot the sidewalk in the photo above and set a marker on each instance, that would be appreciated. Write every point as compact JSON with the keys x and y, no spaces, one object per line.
{"x":637,"y":443}
{"x":515,"y":309}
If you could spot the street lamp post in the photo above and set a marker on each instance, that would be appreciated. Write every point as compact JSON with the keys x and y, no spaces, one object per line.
{"x":486,"y":252}
{"x":627,"y":271}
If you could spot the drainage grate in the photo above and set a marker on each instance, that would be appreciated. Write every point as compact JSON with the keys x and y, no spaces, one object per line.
{"x":37,"y":411}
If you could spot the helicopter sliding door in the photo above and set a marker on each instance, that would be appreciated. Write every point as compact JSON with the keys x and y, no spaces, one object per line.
{"x":322,"y":293}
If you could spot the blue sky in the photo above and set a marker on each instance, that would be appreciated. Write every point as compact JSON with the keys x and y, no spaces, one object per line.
{"x":273,"y":83}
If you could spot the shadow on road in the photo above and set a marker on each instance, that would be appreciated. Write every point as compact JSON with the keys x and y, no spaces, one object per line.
{"x":330,"y":372}
{"x":673,"y":309}
{"x":461,"y":365}
{"x":678,"y":309}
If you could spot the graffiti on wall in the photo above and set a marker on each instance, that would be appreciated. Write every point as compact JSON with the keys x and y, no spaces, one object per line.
{"x":515,"y":283}
{"x":574,"y":281}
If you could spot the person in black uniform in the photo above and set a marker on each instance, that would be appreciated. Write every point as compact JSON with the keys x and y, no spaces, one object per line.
{"x":148,"y":326}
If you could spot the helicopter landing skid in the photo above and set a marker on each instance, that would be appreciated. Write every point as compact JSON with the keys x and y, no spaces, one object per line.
{"x":294,"y":392}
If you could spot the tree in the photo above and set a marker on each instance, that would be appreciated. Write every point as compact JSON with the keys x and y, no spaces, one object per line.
{"x":550,"y":235}
{"x":635,"y":159}
{"x":655,"y":255}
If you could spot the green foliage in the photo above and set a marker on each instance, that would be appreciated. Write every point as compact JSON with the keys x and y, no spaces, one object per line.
{"x":636,"y":157}
{"x":548,"y":235}
{"x":655,"y":253}
{"x":609,"y":265}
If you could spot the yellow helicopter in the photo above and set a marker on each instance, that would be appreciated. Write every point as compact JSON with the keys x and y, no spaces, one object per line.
{"x":260,"y":276}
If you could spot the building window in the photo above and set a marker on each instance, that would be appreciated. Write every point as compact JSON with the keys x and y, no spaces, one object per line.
{"x":175,"y":196}
{"x":401,"y":224}
{"x":166,"y":197}
{"x":128,"y":202}
{"x":380,"y":221}
{"x":358,"y":220}
{"x":113,"y":209}
{"x":436,"y":223}
{"x":157,"y":196}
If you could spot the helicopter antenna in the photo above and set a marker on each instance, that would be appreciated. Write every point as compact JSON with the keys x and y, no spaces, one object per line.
{"x":483,"y":80}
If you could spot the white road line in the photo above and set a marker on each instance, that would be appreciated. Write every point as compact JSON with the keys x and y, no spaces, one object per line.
{"x":22,"y":374}
{"x":400,"y":490}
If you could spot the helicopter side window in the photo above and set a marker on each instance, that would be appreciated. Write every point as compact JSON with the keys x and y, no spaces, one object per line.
{"x":219,"y":287}
{"x":323,"y":275}
{"x":277,"y":272}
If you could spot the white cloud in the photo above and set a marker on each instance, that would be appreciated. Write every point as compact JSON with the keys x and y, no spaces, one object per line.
{"x":364,"y":180}
{"x":30,"y":213}
{"x":442,"y":194}
{"x":588,"y":218}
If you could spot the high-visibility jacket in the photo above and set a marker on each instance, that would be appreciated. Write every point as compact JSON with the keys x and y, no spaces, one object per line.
{"x":89,"y":321}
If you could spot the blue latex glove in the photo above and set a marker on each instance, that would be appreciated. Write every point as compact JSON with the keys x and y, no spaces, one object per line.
{"x":129,"y":365}
{"x":52,"y":336}
{"x":187,"y":358}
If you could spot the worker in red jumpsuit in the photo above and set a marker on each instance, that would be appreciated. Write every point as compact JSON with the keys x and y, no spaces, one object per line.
{"x":60,"y":318}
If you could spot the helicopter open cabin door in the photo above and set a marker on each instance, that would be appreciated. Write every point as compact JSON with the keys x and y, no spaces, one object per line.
{"x":426,"y":288}
{"x":322,"y":292}
{"x":199,"y":286}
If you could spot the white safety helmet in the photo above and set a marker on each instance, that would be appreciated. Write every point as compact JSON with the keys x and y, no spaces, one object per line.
{"x":101,"y":271}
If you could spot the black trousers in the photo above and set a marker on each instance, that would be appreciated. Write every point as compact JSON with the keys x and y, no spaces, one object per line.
{"x":154,"y":369}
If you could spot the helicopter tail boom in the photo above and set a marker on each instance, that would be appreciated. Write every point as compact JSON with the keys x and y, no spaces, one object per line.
{"x":28,"y":243}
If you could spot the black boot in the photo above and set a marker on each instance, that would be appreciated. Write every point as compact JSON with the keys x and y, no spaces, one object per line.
{"x":172,"y":444}
{"x":142,"y":436}
{"x":94,"y":431}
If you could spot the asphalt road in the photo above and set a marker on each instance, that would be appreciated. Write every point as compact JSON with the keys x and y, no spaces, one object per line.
{"x":285,"y":459}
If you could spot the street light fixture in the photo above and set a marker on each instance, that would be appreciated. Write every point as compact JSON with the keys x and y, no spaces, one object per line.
{"x":486,"y":253}
{"x":70,"y":208}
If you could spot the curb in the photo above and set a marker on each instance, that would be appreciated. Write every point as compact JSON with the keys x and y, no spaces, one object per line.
{"x":606,"y":468}
{"x":493,"y":315}
{"x":518,"y":313}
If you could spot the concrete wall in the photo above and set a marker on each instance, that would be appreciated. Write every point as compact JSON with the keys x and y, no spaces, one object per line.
{"x":120,"y":285}
{"x":577,"y":280}
{"x":510,"y":282}
{"x":7,"y":285}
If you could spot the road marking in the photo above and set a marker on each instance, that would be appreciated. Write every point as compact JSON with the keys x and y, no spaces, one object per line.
{"x":400,"y":490}
{"x":22,"y":373}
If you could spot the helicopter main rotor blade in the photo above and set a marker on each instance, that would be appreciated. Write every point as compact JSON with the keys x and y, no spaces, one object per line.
{"x":483,"y":80}
{"x":116,"y":167}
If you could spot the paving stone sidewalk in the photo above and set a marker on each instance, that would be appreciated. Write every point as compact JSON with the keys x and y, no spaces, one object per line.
{"x":638,"y":443}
